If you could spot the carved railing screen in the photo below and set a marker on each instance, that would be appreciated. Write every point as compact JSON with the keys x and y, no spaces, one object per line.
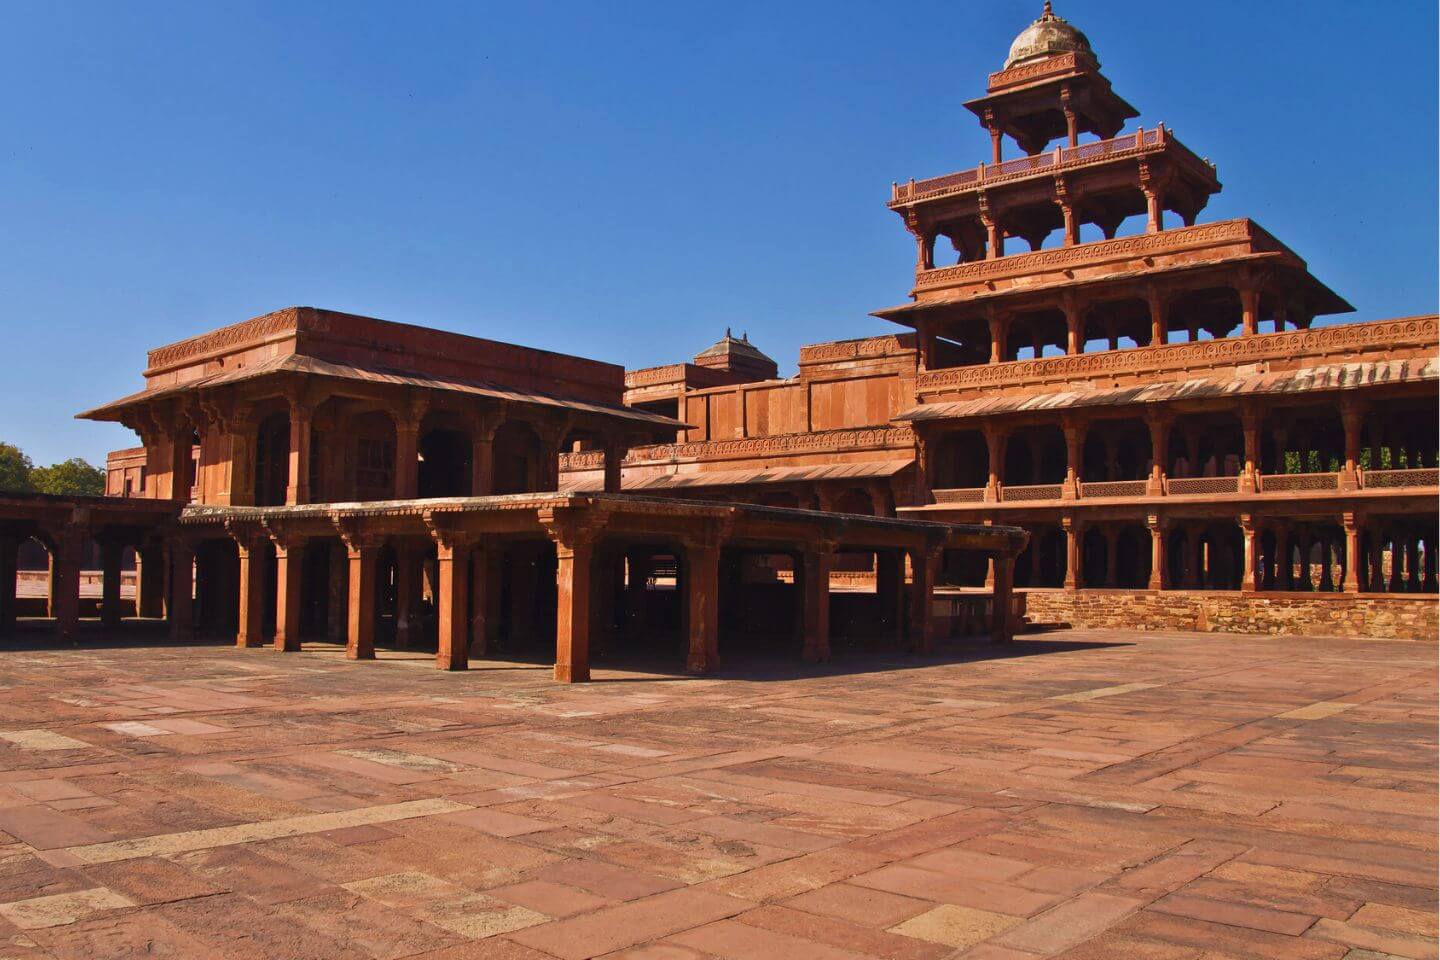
{"x":1385,"y":479}
{"x":1036,"y":491}
{"x":1282,"y":482}
{"x":966,"y":495}
{"x":1185,"y":486}
{"x":1114,"y":488}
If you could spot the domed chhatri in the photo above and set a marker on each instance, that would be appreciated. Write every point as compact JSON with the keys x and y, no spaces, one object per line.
{"x":1046,"y":37}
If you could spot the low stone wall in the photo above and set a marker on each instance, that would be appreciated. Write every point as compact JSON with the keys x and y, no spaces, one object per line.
{"x":1383,"y":616}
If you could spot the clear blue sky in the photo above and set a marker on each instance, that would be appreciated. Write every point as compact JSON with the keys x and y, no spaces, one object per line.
{"x":617,"y":180}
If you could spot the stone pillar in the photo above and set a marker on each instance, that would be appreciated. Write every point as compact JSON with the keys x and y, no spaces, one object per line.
{"x":244,"y":433}
{"x":1074,"y":326}
{"x":1250,"y":425}
{"x":1327,"y":558}
{"x":1353,"y":419}
{"x":1159,"y":555}
{"x":298,"y":489}
{"x":995,"y":451}
{"x":452,"y":601}
{"x":9,"y":548}
{"x":1159,"y":454}
{"x":181,"y":608}
{"x":1196,"y":544}
{"x":924,"y":468}
{"x":1158,"y":316}
{"x":924,"y":569}
{"x":1002,"y":619}
{"x":249,"y":632}
{"x":407,"y":457}
{"x":69,"y":547}
{"x":574,"y":553}
{"x":614,"y":455}
{"x":111,"y":554}
{"x":1249,"y":309}
{"x":996,"y":137}
{"x":362,"y":554}
{"x":702,"y":588}
{"x":289,"y":574}
{"x":1375,"y":579}
{"x":1073,"y":554}
{"x":150,"y":581}
{"x":1074,"y":452}
{"x":1353,"y":557}
{"x":1412,"y":564}
{"x":482,"y":453}
{"x":1250,"y":555}
{"x":815,"y":564}
{"x":998,"y":329}
{"x":994,"y":238}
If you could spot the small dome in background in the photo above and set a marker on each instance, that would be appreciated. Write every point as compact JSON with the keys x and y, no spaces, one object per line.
{"x":1046,"y":37}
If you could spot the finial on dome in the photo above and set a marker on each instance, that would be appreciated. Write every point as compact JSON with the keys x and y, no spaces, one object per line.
{"x":727,"y":334}
{"x":1047,"y":36}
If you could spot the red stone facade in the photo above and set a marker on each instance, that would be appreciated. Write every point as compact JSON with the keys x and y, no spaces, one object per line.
{"x":1146,"y":394}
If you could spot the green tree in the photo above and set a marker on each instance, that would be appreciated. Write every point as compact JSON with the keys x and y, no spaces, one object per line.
{"x":75,"y":477}
{"x":15,"y":468}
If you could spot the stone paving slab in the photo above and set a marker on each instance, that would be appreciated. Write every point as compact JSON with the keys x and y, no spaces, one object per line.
{"x":1084,"y":794}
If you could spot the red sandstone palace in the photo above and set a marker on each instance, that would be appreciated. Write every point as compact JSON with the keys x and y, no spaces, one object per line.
{"x":1136,"y":427}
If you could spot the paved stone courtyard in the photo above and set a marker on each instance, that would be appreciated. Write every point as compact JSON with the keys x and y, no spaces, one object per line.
{"x":1082,"y":794}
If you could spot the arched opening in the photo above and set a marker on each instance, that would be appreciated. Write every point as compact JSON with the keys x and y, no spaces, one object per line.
{"x":217,"y":588}
{"x":272,"y":459}
{"x":854,"y":501}
{"x":1113,"y":324}
{"x":1115,"y":451}
{"x":517,"y":458}
{"x":1303,"y":440}
{"x":1042,"y":562}
{"x":1035,"y":455}
{"x":445,"y":464}
{"x":1206,"y":445}
{"x":1204,"y":314}
{"x":961,"y":460}
{"x":373,"y":452}
{"x":34,"y":579}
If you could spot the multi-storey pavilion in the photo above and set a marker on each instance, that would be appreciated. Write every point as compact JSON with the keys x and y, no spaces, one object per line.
{"x":311,"y":473}
{"x":1152,"y":402}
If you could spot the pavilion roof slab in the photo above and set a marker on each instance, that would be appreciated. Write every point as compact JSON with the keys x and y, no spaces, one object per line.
{"x":658,"y":516}
{"x":312,"y":366}
{"x":1333,"y":377}
{"x":1327,"y":301}
{"x":874,"y":469}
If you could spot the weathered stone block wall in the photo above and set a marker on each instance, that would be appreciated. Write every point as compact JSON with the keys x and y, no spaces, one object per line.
{"x":1412,"y":617}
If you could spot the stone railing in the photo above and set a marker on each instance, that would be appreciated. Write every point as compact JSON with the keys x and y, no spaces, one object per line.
{"x":1140,"y":142}
{"x":1228,"y":351}
{"x":1296,"y":482}
{"x":1390,"y":479}
{"x":1114,"y":488}
{"x":1032,"y":491}
{"x":1192,"y":486}
{"x":1178,"y":240}
{"x":960,"y":495}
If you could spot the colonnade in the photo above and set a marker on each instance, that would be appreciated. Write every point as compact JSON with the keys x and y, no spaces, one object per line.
{"x":1351,"y":552}
{"x":1336,"y":444}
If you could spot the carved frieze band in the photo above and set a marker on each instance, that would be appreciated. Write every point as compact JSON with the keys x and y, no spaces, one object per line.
{"x":857,"y":349}
{"x":251,"y":331}
{"x":871,"y":438}
{"x":1419,"y":331}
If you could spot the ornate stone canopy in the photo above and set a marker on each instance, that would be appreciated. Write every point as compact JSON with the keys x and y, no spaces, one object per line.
{"x":1046,"y":37}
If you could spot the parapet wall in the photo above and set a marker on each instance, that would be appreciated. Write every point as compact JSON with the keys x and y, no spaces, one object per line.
{"x":1381,"y":616}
